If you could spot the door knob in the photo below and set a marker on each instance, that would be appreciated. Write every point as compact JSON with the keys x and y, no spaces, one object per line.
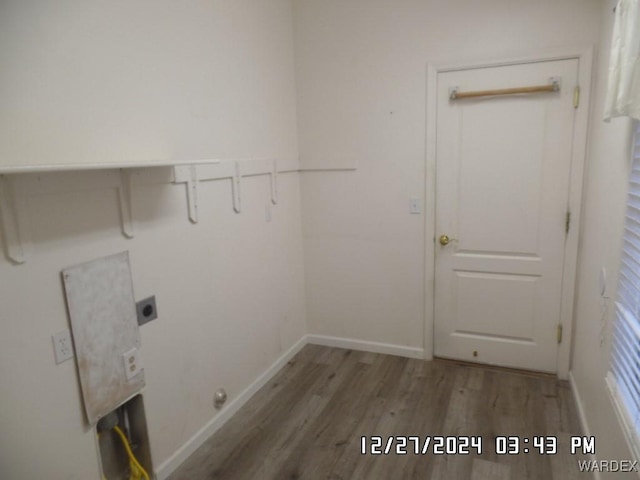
{"x":444,"y":240}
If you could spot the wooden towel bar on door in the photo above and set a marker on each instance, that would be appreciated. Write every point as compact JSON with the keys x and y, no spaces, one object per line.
{"x":554,"y":86}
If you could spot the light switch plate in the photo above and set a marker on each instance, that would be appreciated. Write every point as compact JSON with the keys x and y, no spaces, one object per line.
{"x":416,"y":205}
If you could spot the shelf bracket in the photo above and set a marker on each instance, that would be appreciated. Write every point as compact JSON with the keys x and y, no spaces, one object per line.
{"x":188,"y":174}
{"x":192,"y":193}
{"x":126,"y":205}
{"x":235,"y":186}
{"x":274,"y":182}
{"x":13,"y":215}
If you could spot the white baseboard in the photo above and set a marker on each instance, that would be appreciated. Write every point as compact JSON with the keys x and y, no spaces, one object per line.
{"x":174,"y":461}
{"x":586,"y":431}
{"x":365,"y":346}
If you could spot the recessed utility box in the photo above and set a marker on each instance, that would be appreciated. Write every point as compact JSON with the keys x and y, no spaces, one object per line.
{"x":132,"y":422}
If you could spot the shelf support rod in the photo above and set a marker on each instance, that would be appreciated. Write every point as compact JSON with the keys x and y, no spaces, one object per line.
{"x":553,"y":86}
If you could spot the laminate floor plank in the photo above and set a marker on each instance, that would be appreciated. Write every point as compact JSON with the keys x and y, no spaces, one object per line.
{"x":351,"y":405}
{"x":309,"y":420}
{"x":389,"y":421}
{"x":484,"y":470}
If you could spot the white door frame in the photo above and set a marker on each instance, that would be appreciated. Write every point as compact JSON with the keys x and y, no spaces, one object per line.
{"x":584,"y":57}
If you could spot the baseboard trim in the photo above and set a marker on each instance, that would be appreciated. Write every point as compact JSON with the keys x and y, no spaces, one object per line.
{"x":175,"y":460}
{"x":586,"y":431}
{"x":365,"y":346}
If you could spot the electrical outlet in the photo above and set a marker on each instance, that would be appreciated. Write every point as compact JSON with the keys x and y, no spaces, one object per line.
{"x":62,"y":346}
{"x":146,"y":310}
{"x":132,"y":363}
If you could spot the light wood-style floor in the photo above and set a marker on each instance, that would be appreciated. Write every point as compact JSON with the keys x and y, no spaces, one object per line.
{"x":307,"y":422}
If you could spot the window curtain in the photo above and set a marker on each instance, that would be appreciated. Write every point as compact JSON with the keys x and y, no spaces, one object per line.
{"x":623,"y":90}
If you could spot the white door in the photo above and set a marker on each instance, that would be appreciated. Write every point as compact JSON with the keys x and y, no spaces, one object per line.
{"x":503,"y":167}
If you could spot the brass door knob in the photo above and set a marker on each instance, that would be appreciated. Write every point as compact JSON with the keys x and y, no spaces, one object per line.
{"x":444,"y":240}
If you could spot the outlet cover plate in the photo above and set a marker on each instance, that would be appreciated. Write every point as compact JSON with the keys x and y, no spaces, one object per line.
{"x":132,"y":363}
{"x":62,"y":346}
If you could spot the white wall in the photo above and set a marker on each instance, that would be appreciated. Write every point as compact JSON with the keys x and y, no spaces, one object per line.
{"x":361,"y":81}
{"x":119,"y":81}
{"x":229,"y":290}
{"x":360,"y":69}
{"x":606,"y":186}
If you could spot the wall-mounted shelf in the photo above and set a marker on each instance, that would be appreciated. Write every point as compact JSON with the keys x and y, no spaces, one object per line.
{"x":18,"y":183}
{"x":82,"y":167}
